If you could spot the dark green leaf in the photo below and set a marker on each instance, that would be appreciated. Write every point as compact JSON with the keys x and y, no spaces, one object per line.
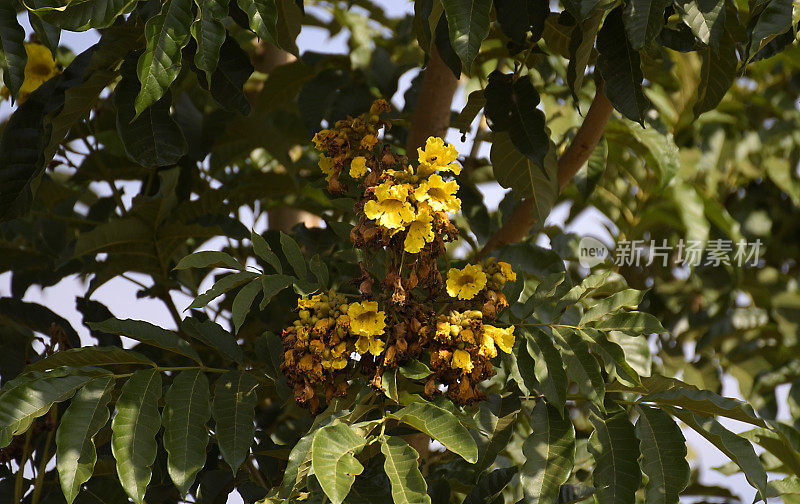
{"x":243,"y":301}
{"x":293,"y":254}
{"x":148,"y":334}
{"x":187,"y":409}
{"x":633,"y":322}
{"x":290,"y":19}
{"x":587,"y":178}
{"x":263,"y":250}
{"x":549,"y":368}
{"x":209,"y":32}
{"x":263,"y":17}
{"x":151,"y":138}
{"x":491,"y":486}
{"x":581,"y":9}
{"x":716,"y":74}
{"x":706,"y":403}
{"x":209,"y":259}
{"x":234,"y":412}
{"x":628,"y":298}
{"x":81,"y":15}
{"x":320,"y":270}
{"x":613,"y":444}
{"x":167,"y":34}
{"x":214,"y":336}
{"x":468,"y":22}
{"x":222,"y":286}
{"x":620,"y":66}
{"x":644,"y":20}
{"x":13,"y":56}
{"x":549,"y":455}
{"x":230,"y":76}
{"x":415,"y":370}
{"x":706,"y":18}
{"x":90,"y":356}
{"x":663,"y":456}
{"x":475,"y":102}
{"x":134,"y":428}
{"x":76,"y":453}
{"x":582,"y":367}
{"x":612,"y":354}
{"x":445,"y":48}
{"x":47,"y":34}
{"x":495,"y":420}
{"x":401,"y":466}
{"x":775,"y":19}
{"x":272,"y":285}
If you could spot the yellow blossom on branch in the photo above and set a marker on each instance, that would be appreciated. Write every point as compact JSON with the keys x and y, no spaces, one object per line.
{"x":467,"y":282}
{"x":40,"y":68}
{"x":503,"y":338}
{"x":392,"y":209}
{"x":365,"y":319}
{"x":440,"y":195}
{"x":420,"y":232}
{"x":358,"y":167}
{"x":370,"y":344}
{"x":437,"y":156}
{"x":327,"y":165}
{"x":462,"y":360}
{"x":507,"y":272}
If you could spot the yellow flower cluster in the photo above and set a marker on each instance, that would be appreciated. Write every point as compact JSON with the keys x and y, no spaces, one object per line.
{"x":407,"y":201}
{"x":41,"y":67}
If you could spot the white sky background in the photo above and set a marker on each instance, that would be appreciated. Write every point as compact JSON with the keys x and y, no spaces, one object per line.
{"x":119,"y":295}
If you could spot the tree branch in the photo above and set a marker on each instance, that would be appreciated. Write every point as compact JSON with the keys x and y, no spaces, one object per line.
{"x":578,"y":152}
{"x":432,"y":113}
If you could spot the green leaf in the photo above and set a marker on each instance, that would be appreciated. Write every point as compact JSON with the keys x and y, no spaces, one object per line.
{"x":620,"y":66}
{"x":76,"y":453}
{"x":187,"y":409}
{"x":31,"y":395}
{"x":475,"y":102}
{"x":658,"y":149}
{"x":628,"y":298}
{"x":548,"y":368}
{"x":214,"y":336}
{"x":263,"y":17}
{"x":515,"y":171}
{"x":47,"y":34}
{"x":401,"y":466}
{"x":228,"y":80}
{"x":222,"y":286}
{"x":290,"y":20}
{"x":81,"y":15}
{"x":716,"y":74}
{"x":441,"y":39}
{"x":644,"y":20}
{"x":209,"y":259}
{"x":633,"y":322}
{"x":319,"y":270}
{"x":491,"y":486}
{"x":786,"y":486}
{"x":581,"y":44}
{"x":581,"y":9}
{"x":511,"y":107}
{"x":468,"y":22}
{"x":298,"y":465}
{"x":775,"y":19}
{"x":152,"y":138}
{"x":784,"y":444}
{"x":333,"y":460}
{"x":441,"y":425}
{"x":293,"y":254}
{"x":13,"y":57}
{"x":90,"y":356}
{"x":234,"y":413}
{"x":612,"y":354}
{"x":389,"y":384}
{"x":663,"y":456}
{"x":243,"y":301}
{"x":549,"y":455}
{"x":209,"y":32}
{"x":738,"y":449}
{"x":263,"y":250}
{"x":496,"y":418}
{"x":706,"y":403}
{"x":134,"y":428}
{"x":582,"y":367}
{"x":272,"y":285}
{"x":706,"y":18}
{"x":167,"y":33}
{"x":613,"y":444}
{"x":148,"y":334}
{"x":415,"y":370}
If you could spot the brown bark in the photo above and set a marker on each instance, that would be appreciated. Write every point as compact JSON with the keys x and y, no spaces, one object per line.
{"x":432,"y":113}
{"x":578,"y":152}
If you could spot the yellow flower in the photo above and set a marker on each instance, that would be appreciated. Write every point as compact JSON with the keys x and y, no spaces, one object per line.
{"x":40,"y":68}
{"x":503,"y":338}
{"x":440,"y":195}
{"x":462,"y":360}
{"x":392,"y":209}
{"x":420,"y":232}
{"x":507,"y":272}
{"x":437,"y":156}
{"x":370,"y":344}
{"x":358,"y":167}
{"x":327,"y":165}
{"x":365,"y":319}
{"x":322,"y":137}
{"x":339,"y":363}
{"x":488,"y":348}
{"x":466,"y":283}
{"x":307,"y":304}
